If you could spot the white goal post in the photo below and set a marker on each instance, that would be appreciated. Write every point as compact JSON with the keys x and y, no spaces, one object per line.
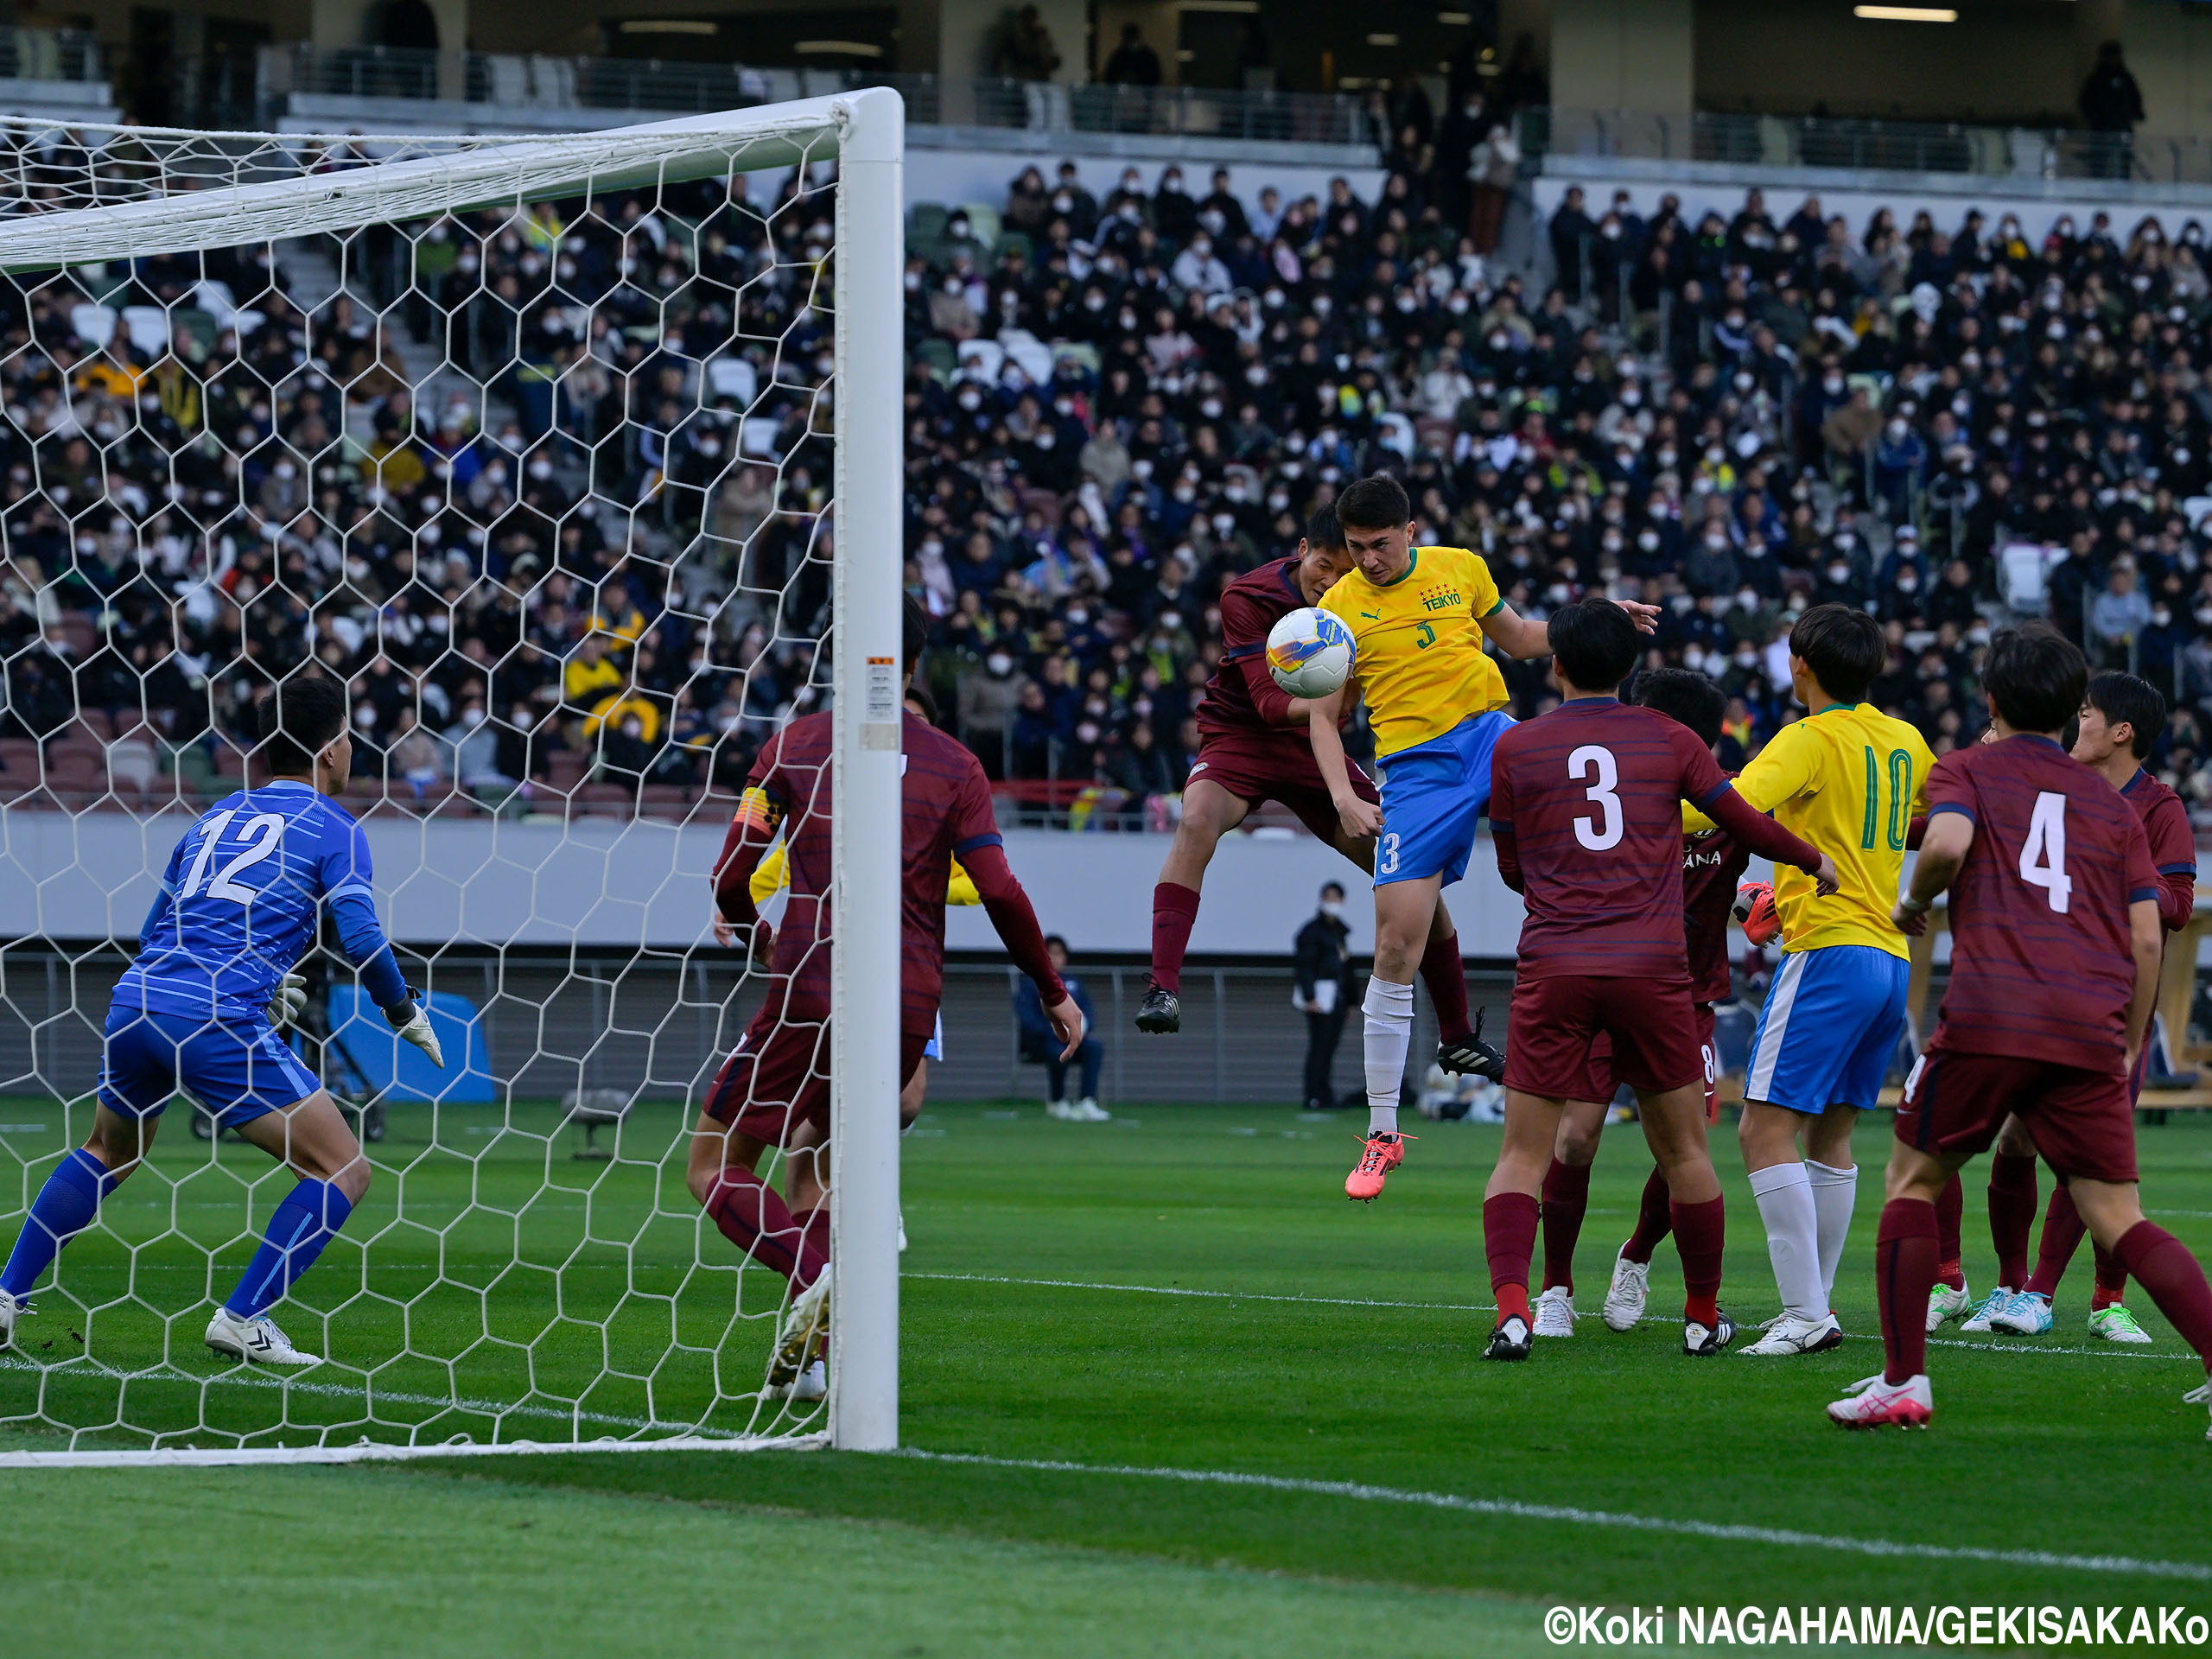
{"x":137,"y":194}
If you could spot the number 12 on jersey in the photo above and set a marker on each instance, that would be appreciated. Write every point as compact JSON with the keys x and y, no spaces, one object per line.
{"x":261,"y":836}
{"x":2043,"y":855}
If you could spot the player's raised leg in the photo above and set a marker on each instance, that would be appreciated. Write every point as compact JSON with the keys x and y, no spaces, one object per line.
{"x":313,"y":1140}
{"x":1565,"y":1197}
{"x":1209,"y":811}
{"x":1402,"y":913}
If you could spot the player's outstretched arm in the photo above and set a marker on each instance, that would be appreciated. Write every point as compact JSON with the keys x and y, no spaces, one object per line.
{"x":347,"y":894}
{"x":1358,"y":817}
{"x":1015,"y":919}
{"x":1943,"y":848}
{"x":1523,"y":637}
{"x":1753,"y":829}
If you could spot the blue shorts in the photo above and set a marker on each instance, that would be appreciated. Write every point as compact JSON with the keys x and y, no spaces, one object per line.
{"x":237,"y":1071}
{"x":1831,"y":1023}
{"x":1431,"y":796}
{"x":934,"y":1050}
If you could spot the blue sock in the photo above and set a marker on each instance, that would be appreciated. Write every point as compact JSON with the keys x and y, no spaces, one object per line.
{"x":303,"y":1224}
{"x":65,"y":1207}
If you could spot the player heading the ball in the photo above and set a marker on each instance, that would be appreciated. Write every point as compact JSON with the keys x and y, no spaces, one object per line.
{"x":1421,"y":620}
{"x":241,"y":901}
{"x":1253,"y":748}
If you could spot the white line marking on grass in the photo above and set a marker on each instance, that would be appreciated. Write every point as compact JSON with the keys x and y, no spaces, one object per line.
{"x":385,"y":1451}
{"x":2105,"y":1351}
{"x":1778,"y":1535}
{"x":327,"y":1390}
{"x":1210,"y":1295}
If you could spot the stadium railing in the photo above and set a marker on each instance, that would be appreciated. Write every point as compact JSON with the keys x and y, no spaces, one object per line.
{"x":1864,"y":145}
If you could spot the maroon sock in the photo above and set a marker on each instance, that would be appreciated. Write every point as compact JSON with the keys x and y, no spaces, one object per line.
{"x":1445,"y":976}
{"x":754,"y":1217}
{"x":1655,"y":1217}
{"x":1700,"y":1235}
{"x":1905,"y":1271}
{"x":1510,"y":1239}
{"x":1567,"y":1195}
{"x":2112,"y":1279}
{"x":1174,"y":907}
{"x":2011,"y":1213}
{"x":2061,"y":1236}
{"x":1950,"y":1218}
{"x":814,"y":1227}
{"x":2164,"y":1267}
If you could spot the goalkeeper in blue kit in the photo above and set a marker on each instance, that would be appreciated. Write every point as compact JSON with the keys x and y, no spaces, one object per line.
{"x":241,"y":901}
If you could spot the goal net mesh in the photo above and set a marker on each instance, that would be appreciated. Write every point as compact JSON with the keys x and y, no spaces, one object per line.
{"x":531,"y":443}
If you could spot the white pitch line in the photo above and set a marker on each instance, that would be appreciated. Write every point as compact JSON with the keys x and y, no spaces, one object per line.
{"x":379,"y":1451}
{"x":334,"y":1391}
{"x":1519,"y":1512}
{"x":2107,"y":1352}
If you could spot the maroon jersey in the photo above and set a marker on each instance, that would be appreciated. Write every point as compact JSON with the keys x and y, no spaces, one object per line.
{"x":1712,"y":863}
{"x":1588,"y":798}
{"x":947,"y":809}
{"x":2043,"y":964}
{"x":2173,"y":845}
{"x":1242,"y":697}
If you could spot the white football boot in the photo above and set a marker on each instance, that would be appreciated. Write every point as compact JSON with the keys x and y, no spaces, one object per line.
{"x":1088,"y":1110}
{"x":1626,"y":1296}
{"x":1991,"y":1304}
{"x":808,"y":1317}
{"x":2025,"y":1312}
{"x":255,"y":1341}
{"x":1873,"y":1403}
{"x":1788,"y":1334}
{"x":1554,"y":1311}
{"x":1945,"y":1303}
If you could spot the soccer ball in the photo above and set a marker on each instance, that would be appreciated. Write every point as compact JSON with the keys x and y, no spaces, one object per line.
{"x":1309,"y":653}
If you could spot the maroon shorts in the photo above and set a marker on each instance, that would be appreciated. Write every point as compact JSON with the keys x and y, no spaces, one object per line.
{"x":2083,"y":1122}
{"x":778,"y":1077}
{"x":1277,"y":767}
{"x":1653,"y":1025}
{"x":1602,"y":1085}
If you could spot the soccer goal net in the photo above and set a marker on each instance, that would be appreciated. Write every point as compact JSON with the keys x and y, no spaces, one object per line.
{"x":576,"y":459}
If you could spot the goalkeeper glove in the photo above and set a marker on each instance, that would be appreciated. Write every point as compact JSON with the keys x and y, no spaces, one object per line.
{"x":1754,"y":912}
{"x":412,"y":1022}
{"x":290,"y":998}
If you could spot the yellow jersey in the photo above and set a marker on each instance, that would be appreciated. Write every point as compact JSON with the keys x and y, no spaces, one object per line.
{"x":1418,"y":648}
{"x":773,"y":870}
{"x":1849,"y":779}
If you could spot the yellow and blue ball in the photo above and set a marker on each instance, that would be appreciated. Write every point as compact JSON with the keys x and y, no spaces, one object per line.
{"x":1310,"y":654}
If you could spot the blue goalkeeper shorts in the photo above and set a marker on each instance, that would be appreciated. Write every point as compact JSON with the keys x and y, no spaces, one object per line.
{"x":1432,"y":796}
{"x":237,"y":1071}
{"x":1830,"y":1026}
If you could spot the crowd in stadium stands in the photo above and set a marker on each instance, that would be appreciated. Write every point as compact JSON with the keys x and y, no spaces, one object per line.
{"x":1117,"y":404}
{"x":1113,"y":405}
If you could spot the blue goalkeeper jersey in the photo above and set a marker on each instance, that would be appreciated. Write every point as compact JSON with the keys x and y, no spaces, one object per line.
{"x":242,"y":898}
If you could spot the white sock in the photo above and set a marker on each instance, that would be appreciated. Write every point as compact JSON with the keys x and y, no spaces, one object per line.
{"x":1389,"y":1010}
{"x":1785,"y":1196}
{"x":1834,"y":1191}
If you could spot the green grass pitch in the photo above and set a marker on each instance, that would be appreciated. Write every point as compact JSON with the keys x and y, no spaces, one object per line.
{"x":1183,"y":1290}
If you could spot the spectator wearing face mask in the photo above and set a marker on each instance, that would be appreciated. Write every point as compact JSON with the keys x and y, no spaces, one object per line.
{"x":988,"y":698}
{"x":1323,"y":992}
{"x":2119,"y":614}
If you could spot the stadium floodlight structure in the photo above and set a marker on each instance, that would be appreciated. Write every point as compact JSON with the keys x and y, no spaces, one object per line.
{"x":168,"y":427}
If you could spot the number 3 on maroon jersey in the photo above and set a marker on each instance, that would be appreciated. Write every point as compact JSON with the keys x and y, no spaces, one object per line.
{"x":1603,"y":832}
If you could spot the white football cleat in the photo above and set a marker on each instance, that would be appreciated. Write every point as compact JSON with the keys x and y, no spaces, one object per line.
{"x":1088,"y":1110}
{"x":1626,"y":1296}
{"x":255,"y":1341}
{"x":808,"y":1317}
{"x":1702,"y":1340}
{"x":11,"y":1309}
{"x":1554,"y":1311}
{"x":2025,"y":1312}
{"x":2199,"y":1395}
{"x":810,"y":1387}
{"x":1991,"y":1304}
{"x":1788,"y":1334}
{"x":1873,"y":1402}
{"x":1945,"y":1303}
